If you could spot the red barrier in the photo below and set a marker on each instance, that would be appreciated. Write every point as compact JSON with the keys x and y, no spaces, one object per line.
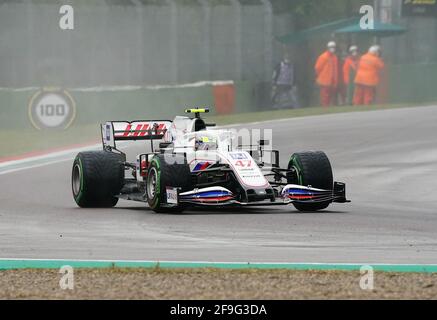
{"x":224,"y":98}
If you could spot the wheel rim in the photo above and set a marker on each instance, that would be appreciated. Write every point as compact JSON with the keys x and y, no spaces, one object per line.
{"x":76,"y":179}
{"x":296,"y":167}
{"x":151,"y":183}
{"x":298,"y":175}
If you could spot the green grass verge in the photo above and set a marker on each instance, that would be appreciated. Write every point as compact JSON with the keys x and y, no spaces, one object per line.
{"x":17,"y":142}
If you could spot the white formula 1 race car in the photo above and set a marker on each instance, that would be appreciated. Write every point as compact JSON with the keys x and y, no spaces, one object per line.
{"x":197,"y":165}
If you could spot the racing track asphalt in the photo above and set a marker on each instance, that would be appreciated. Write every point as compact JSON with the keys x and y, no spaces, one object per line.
{"x":388,"y":159}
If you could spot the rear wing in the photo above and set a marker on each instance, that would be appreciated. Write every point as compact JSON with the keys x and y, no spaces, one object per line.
{"x":113,"y":131}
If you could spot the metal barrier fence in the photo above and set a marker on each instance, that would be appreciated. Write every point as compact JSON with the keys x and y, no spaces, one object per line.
{"x":137,"y":42}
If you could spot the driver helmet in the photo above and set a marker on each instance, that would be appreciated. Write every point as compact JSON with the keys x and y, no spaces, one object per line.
{"x":205,"y":143}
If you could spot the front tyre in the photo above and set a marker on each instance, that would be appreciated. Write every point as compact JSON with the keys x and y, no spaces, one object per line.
{"x":97,"y":177}
{"x":166,"y":171}
{"x":313,"y":169}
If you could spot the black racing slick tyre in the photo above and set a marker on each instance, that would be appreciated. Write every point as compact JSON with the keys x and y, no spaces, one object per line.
{"x":97,"y":177}
{"x":166,"y":171}
{"x":313,"y":169}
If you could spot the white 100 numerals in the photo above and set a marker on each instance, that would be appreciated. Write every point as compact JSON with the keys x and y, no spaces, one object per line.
{"x":52,"y":109}
{"x":49,"y":110}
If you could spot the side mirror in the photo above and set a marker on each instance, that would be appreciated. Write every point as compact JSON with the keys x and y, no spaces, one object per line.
{"x":263,"y":142}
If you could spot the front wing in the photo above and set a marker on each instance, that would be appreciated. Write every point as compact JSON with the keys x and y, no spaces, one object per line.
{"x":219,"y":196}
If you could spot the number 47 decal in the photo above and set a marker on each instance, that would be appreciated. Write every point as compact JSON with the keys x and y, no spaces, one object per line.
{"x":243,"y":163}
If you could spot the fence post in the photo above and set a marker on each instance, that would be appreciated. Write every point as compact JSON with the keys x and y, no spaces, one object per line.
{"x":30,"y":42}
{"x":268,"y":37}
{"x":238,"y":54}
{"x":174,"y":40}
{"x":140,"y":40}
{"x":207,"y":36}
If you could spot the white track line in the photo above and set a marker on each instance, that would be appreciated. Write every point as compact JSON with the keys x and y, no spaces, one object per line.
{"x":55,"y":154}
{"x":49,"y":158}
{"x":33,"y":166}
{"x":42,"y":160}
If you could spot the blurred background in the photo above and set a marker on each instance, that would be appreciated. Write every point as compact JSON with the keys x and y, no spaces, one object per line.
{"x":152,"y":58}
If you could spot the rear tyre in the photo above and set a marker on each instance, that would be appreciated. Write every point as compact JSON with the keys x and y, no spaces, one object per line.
{"x":312,"y":169}
{"x":97,"y":177}
{"x":166,"y":171}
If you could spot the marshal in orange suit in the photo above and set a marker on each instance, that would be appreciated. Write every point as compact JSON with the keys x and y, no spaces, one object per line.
{"x":368,"y":76}
{"x":327,"y":75}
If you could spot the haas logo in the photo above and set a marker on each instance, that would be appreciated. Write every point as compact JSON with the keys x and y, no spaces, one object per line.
{"x":144,"y":129}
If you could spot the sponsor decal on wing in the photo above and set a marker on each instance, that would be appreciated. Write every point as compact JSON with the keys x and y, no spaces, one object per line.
{"x":297,"y":192}
{"x":172,"y":195}
{"x":207,"y":195}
